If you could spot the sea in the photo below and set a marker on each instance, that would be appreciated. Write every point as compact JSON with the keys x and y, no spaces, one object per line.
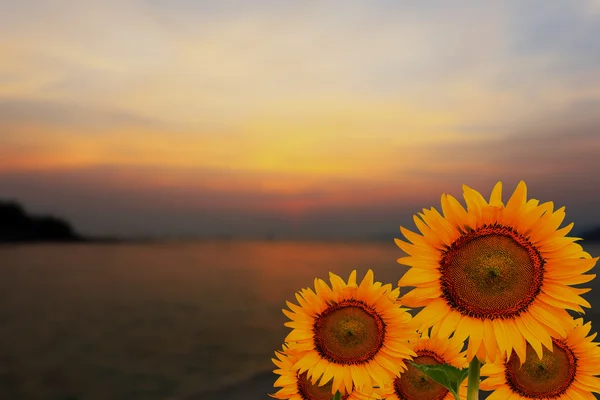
{"x":161,"y":320}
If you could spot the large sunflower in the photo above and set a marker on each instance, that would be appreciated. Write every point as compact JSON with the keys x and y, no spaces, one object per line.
{"x":355,"y":334}
{"x":414,"y":384}
{"x":566,"y":373}
{"x":297,"y":386}
{"x":498,"y":274}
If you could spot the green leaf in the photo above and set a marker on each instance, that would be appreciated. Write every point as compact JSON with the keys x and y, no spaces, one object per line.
{"x":337,"y":396}
{"x":448,"y":376}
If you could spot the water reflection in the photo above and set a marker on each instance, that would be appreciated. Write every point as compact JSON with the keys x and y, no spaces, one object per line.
{"x":160,"y":320}
{"x":152,"y":321}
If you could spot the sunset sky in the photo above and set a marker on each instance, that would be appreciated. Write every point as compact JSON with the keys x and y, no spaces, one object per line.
{"x":297,"y":118}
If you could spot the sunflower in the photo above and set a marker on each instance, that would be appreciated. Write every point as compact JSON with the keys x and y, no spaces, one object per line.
{"x":356,"y":334}
{"x":414,"y":384}
{"x":297,"y":386}
{"x":568,"y":372}
{"x":497,"y":274}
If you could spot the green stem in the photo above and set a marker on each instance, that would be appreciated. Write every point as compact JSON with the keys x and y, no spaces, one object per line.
{"x":473,"y":389}
{"x":337,"y":396}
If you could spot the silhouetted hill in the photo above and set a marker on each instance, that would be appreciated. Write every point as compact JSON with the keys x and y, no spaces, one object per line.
{"x":592,"y":235}
{"x":17,"y":226}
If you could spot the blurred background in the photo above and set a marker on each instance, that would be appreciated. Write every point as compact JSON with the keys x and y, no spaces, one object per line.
{"x":172,"y":171}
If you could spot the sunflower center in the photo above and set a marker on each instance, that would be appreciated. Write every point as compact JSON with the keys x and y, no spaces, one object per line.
{"x":415,"y":385}
{"x":547,"y":378}
{"x":349,"y":332}
{"x":308,"y":391}
{"x":492,"y":272}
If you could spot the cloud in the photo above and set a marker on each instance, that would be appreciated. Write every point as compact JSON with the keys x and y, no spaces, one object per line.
{"x":215,"y":66}
{"x":327,"y":114}
{"x":62,"y":115}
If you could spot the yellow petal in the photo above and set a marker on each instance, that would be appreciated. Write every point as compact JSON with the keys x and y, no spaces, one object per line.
{"x":330,"y":371}
{"x":475,"y":337}
{"x":418,"y":297}
{"x":547,"y":319}
{"x":357,"y":376}
{"x":501,"y":337}
{"x":474,"y":199}
{"x":462,"y":331}
{"x":502,"y":393}
{"x":413,"y":237}
{"x":365,"y":285}
{"x":560,"y":291}
{"x":352,"y":279}
{"x":496,"y":196}
{"x":348,"y":380}
{"x":448,"y":324}
{"x":338,"y":380}
{"x":481,"y":352}
{"x":518,"y":340}
{"x":575,"y":280}
{"x":318,"y":370}
{"x":323,"y":290}
{"x":431,"y":314}
{"x":489,"y":338}
{"x":337,"y":283}
{"x":453,"y":210}
{"x":518,"y":198}
{"x":417,"y":276}
{"x":419,"y":262}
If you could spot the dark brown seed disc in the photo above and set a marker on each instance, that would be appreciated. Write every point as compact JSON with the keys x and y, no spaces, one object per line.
{"x":492,"y":272}
{"x":547,"y":378}
{"x":308,"y":391}
{"x":415,"y":385}
{"x":349,"y":332}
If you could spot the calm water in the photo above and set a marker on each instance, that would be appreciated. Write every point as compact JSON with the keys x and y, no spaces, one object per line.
{"x":158,"y":321}
{"x":155,"y":321}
